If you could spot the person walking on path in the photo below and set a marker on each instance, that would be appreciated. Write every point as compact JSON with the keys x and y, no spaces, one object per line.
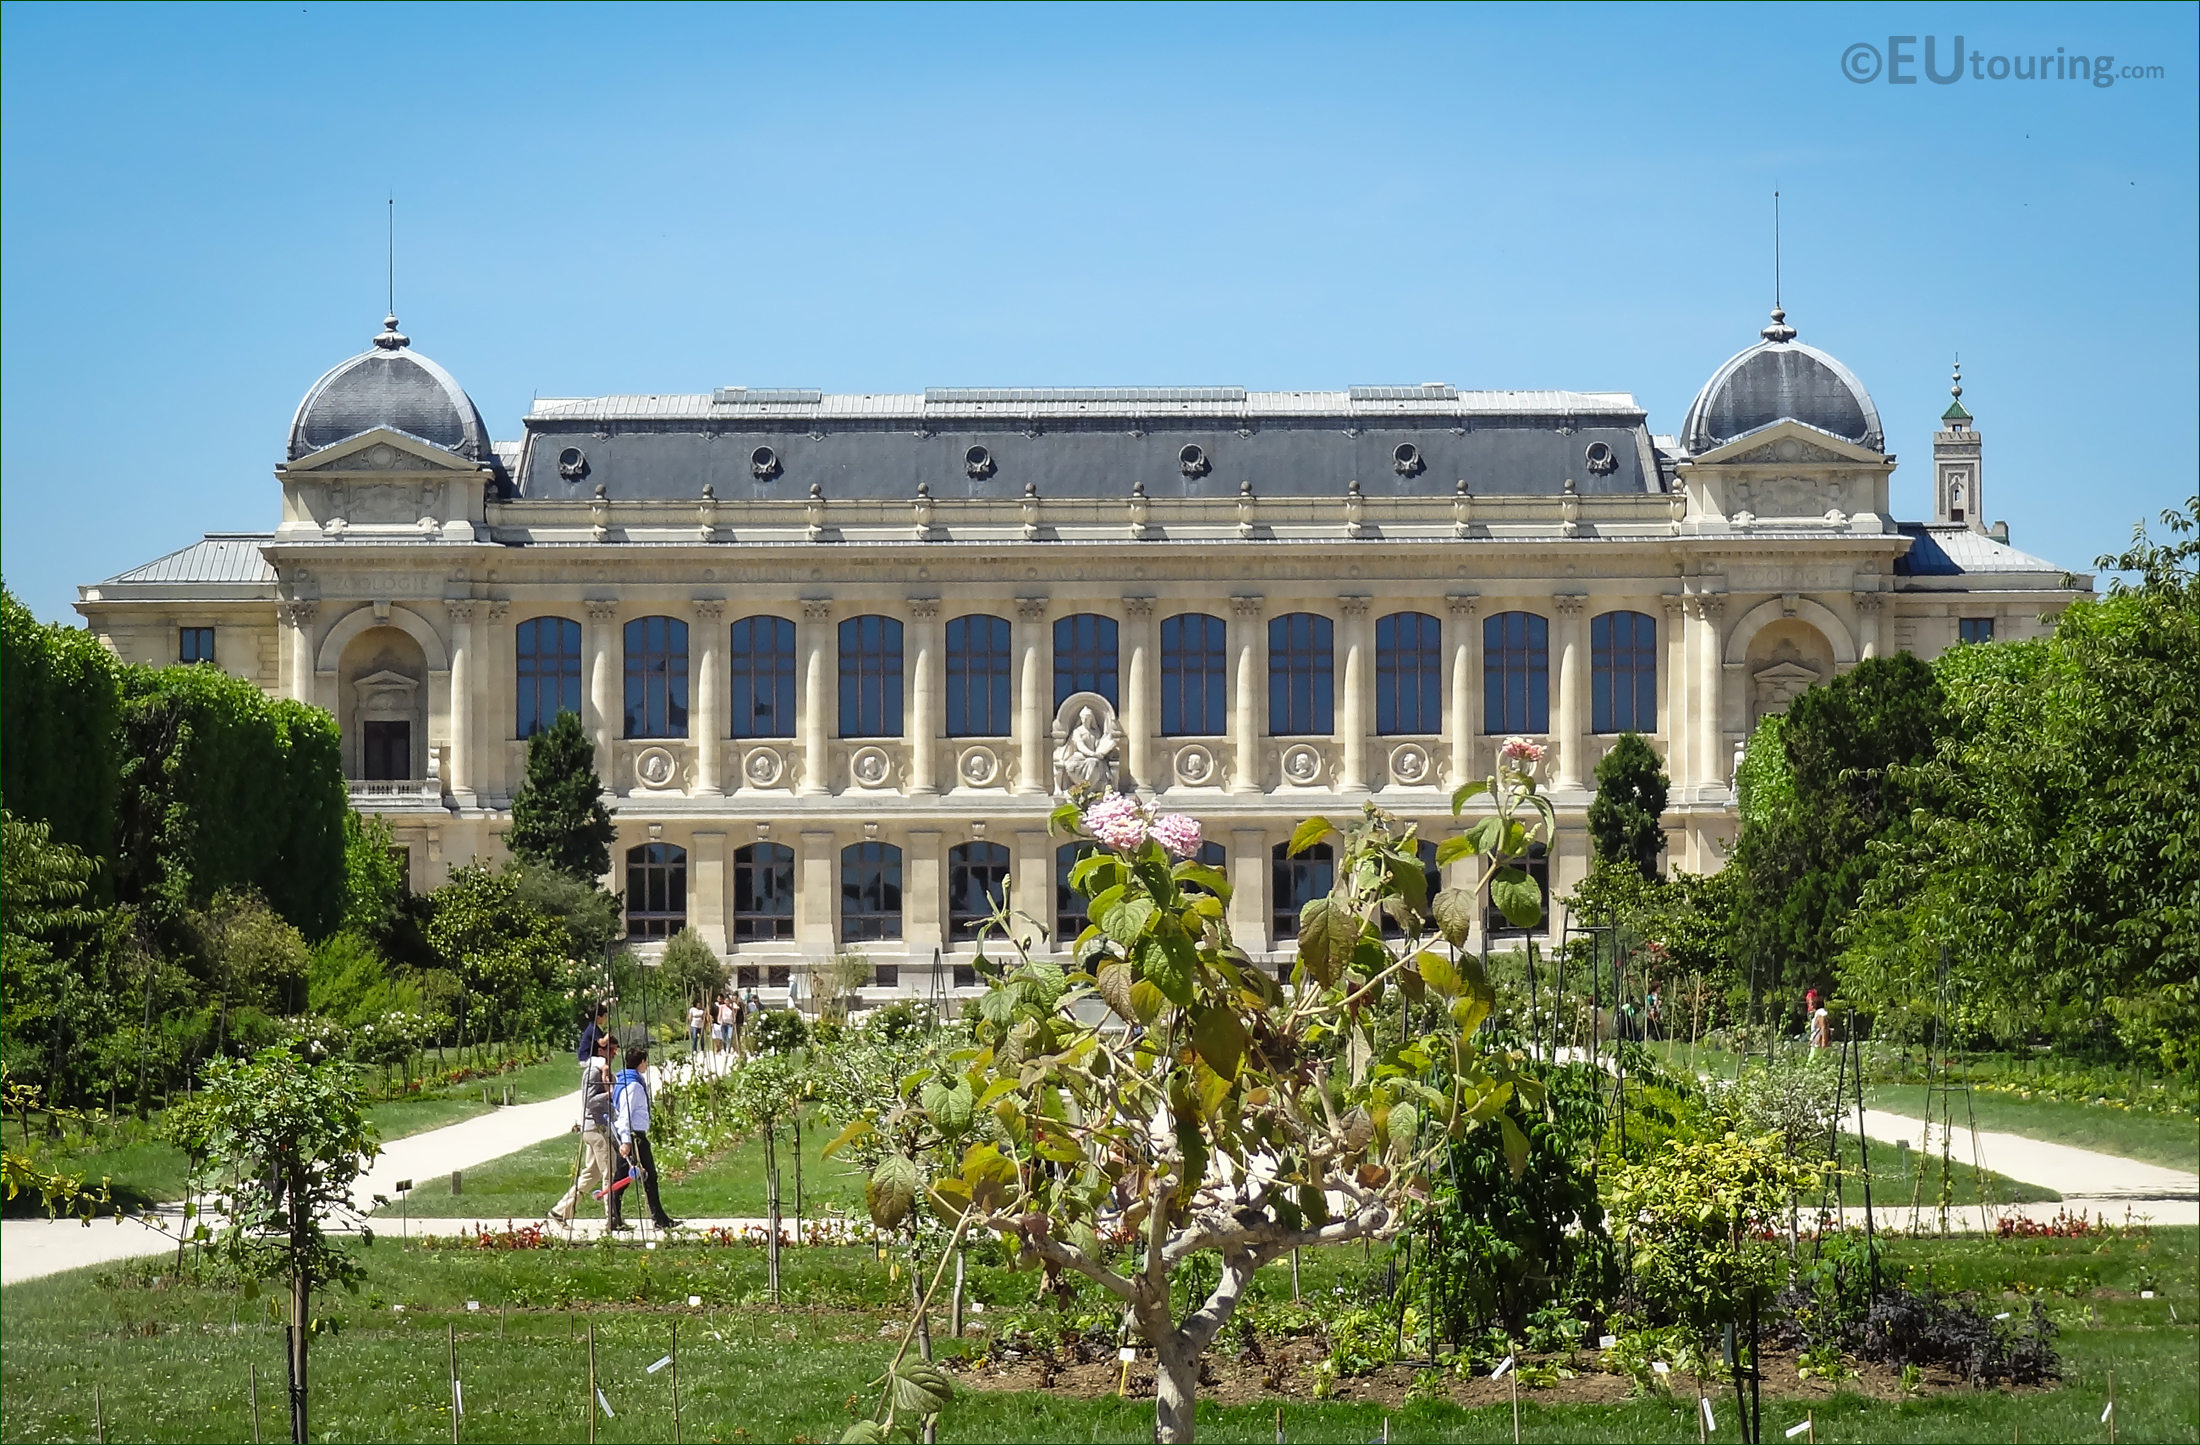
{"x":723,"y":1024}
{"x":599,"y":1025}
{"x":695,"y":1029}
{"x":752,"y":1009}
{"x":599,"y":1162}
{"x":1821,"y":1030}
{"x":630,"y":1123}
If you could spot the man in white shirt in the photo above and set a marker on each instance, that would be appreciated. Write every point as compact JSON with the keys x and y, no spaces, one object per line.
{"x":630,"y":1125}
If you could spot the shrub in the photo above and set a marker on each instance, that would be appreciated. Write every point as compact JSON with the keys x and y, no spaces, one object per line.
{"x":778,"y":1031}
{"x":1922,"y":1327}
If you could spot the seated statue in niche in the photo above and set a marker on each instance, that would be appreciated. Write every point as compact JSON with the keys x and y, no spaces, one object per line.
{"x":1089,"y":755}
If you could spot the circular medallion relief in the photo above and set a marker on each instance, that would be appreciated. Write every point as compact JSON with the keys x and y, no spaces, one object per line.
{"x":1409,"y":763}
{"x":1302,"y":763}
{"x":656,"y":767}
{"x":1195,"y":765}
{"x":979,"y":767}
{"x":762,"y":768}
{"x":870,"y":767}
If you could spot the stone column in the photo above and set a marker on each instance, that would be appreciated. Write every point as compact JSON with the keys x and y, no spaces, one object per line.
{"x":496,"y":722}
{"x":1464,"y":717}
{"x":463,"y":682}
{"x":1356,"y":716}
{"x":1249,"y":680}
{"x":1573,"y":694}
{"x":819,"y":655}
{"x":298,"y":618}
{"x":1249,"y":880}
{"x":1141,"y":720}
{"x":604,"y":720}
{"x":1034,"y":682}
{"x":710,"y":698}
{"x":707,"y":880}
{"x":816,"y":892}
{"x":1673,"y":711}
{"x":923,"y":889}
{"x":926,"y":687}
{"x":1710,"y":768}
{"x":1031,"y":886}
{"x":1867,"y":624}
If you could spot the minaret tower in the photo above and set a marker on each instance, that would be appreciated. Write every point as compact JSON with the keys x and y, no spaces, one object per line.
{"x":1957,"y":500}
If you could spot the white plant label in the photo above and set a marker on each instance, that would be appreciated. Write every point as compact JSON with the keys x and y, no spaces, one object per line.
{"x":1710,"y":1421}
{"x":1795,"y":1430}
{"x":1660,"y":1367}
{"x":1605,"y":1342}
{"x":2146,"y":1294}
{"x":1126,"y":1354}
{"x":606,"y":1405}
{"x":695,"y":1301}
{"x":2107,"y":1410}
{"x":1502,"y":1366}
{"x":458,"y":1394}
{"x":653,"y":1369}
{"x":472,"y":1305}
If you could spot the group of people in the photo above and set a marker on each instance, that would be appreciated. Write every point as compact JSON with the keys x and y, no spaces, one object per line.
{"x":723,"y":1023}
{"x":615,"y":1152}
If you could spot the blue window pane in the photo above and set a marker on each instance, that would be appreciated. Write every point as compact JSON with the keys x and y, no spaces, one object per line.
{"x":1296,"y":882}
{"x":870,"y":678}
{"x":1085,"y":657}
{"x":977,"y":677}
{"x":763,"y":671}
{"x":763,"y":892}
{"x":870,"y":892}
{"x":656,"y":678}
{"x":977,"y":885}
{"x":1516,"y":673}
{"x":1195,"y":666}
{"x":1409,"y":674}
{"x":1302,"y":690}
{"x":1623,"y":673}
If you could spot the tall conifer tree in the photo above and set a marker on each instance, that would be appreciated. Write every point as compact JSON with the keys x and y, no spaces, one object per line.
{"x":558,"y":816}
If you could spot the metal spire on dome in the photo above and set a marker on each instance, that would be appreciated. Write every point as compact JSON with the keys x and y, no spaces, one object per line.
{"x":1956,"y":390}
{"x":391,"y":339}
{"x":1956,"y":415}
{"x":1779,"y":330}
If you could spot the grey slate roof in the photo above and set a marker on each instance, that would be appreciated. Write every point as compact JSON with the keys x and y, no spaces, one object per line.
{"x":1781,"y":379}
{"x":216,"y":557}
{"x":1957,"y":551}
{"x":393,"y":386}
{"x":1086,"y":442}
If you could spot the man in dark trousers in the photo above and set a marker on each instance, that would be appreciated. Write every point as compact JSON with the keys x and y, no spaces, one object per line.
{"x":630,"y":1122}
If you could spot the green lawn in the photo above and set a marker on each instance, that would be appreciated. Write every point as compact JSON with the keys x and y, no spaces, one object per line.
{"x":2163,"y":1139}
{"x":149,"y":1170}
{"x":525,"y":1184}
{"x":1895,"y":1180}
{"x":172,"y":1363}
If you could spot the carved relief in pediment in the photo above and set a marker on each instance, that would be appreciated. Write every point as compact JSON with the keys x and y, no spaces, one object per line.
{"x":1787,"y":449}
{"x":1788,"y":497}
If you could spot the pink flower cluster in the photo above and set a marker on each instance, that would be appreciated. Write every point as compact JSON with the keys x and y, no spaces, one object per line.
{"x":1520,"y":754}
{"x":1178,"y":833}
{"x":1117,"y":821}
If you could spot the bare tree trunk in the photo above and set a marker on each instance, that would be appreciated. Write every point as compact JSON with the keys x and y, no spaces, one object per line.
{"x":1176,"y":1389}
{"x":298,"y":1336}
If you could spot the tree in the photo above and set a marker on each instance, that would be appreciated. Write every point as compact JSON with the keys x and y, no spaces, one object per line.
{"x":283,"y":1140}
{"x":60,"y":713}
{"x":692,"y":971}
{"x":374,"y":875}
{"x":57,"y":983}
{"x":1217,"y":1112}
{"x":519,"y":979}
{"x":558,"y":816}
{"x":1623,"y":818}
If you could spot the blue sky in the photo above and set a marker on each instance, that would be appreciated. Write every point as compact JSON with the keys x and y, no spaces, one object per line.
{"x":636,"y":199}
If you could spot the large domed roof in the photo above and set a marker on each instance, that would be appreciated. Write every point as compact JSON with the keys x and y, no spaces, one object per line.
{"x":1780,"y":379}
{"x":392,"y":386}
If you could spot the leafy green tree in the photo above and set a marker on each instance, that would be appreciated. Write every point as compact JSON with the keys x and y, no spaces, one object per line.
{"x":349,"y":980}
{"x":60,"y":716}
{"x":56,"y":959}
{"x":374,"y":875}
{"x":1623,"y":817}
{"x":255,"y":963}
{"x":558,"y":816}
{"x":692,"y":971}
{"x":284,"y":1140}
{"x":512,"y":960}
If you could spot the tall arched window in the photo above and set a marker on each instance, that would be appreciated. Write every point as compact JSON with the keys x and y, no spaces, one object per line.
{"x":763,"y":892}
{"x":1409,"y":674}
{"x":1296,"y":882}
{"x":870,"y":678}
{"x":656,"y":678}
{"x":1302,"y":685}
{"x":1085,"y":657}
{"x":548,"y":652}
{"x":977,"y":884}
{"x":1516,"y":673}
{"x":1195,"y":668}
{"x":656,"y":890}
{"x":870,"y":892}
{"x":1432,"y":878}
{"x":978,"y":668}
{"x":762,"y":663}
{"x":1623,"y":672}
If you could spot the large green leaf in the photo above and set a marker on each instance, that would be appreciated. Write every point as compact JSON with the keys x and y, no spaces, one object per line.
{"x":1452,"y":849}
{"x":1453,"y":910}
{"x":1437,"y":972}
{"x":1147,"y":1001}
{"x":1199,"y":875}
{"x":856,"y":1129}
{"x":1114,"y":980}
{"x":891,"y":1190}
{"x":1461,"y":795}
{"x":1516,"y":1145}
{"x":1404,"y":1124}
{"x":920,"y":1388}
{"x":1220,"y":1039}
{"x":1166,"y":969}
{"x":1307,"y":834}
{"x":1129,"y":920}
{"x":1517,"y":897}
{"x":1326,"y":936}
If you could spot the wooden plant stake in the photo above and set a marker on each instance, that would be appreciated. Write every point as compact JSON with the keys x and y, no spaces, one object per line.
{"x":99,"y":1417}
{"x":591,"y":1382}
{"x":254,"y":1374}
{"x":1513,"y":1378}
{"x":450,"y":1342}
{"x":676,"y":1383}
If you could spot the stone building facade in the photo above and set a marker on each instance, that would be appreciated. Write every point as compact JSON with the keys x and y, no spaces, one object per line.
{"x":835,"y":650}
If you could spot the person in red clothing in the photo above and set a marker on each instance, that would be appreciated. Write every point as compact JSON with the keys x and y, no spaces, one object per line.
{"x":1821,"y":1024}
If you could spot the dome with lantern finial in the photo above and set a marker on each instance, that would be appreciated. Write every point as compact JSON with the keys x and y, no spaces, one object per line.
{"x":1780,"y":379}
{"x":389,"y":385}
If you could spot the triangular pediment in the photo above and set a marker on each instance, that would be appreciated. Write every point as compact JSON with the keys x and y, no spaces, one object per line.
{"x":1787,"y":443}
{"x":1792,"y":673}
{"x":381,"y":450}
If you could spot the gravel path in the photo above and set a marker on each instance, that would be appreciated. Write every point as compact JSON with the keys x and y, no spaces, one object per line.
{"x":2090,"y":1183}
